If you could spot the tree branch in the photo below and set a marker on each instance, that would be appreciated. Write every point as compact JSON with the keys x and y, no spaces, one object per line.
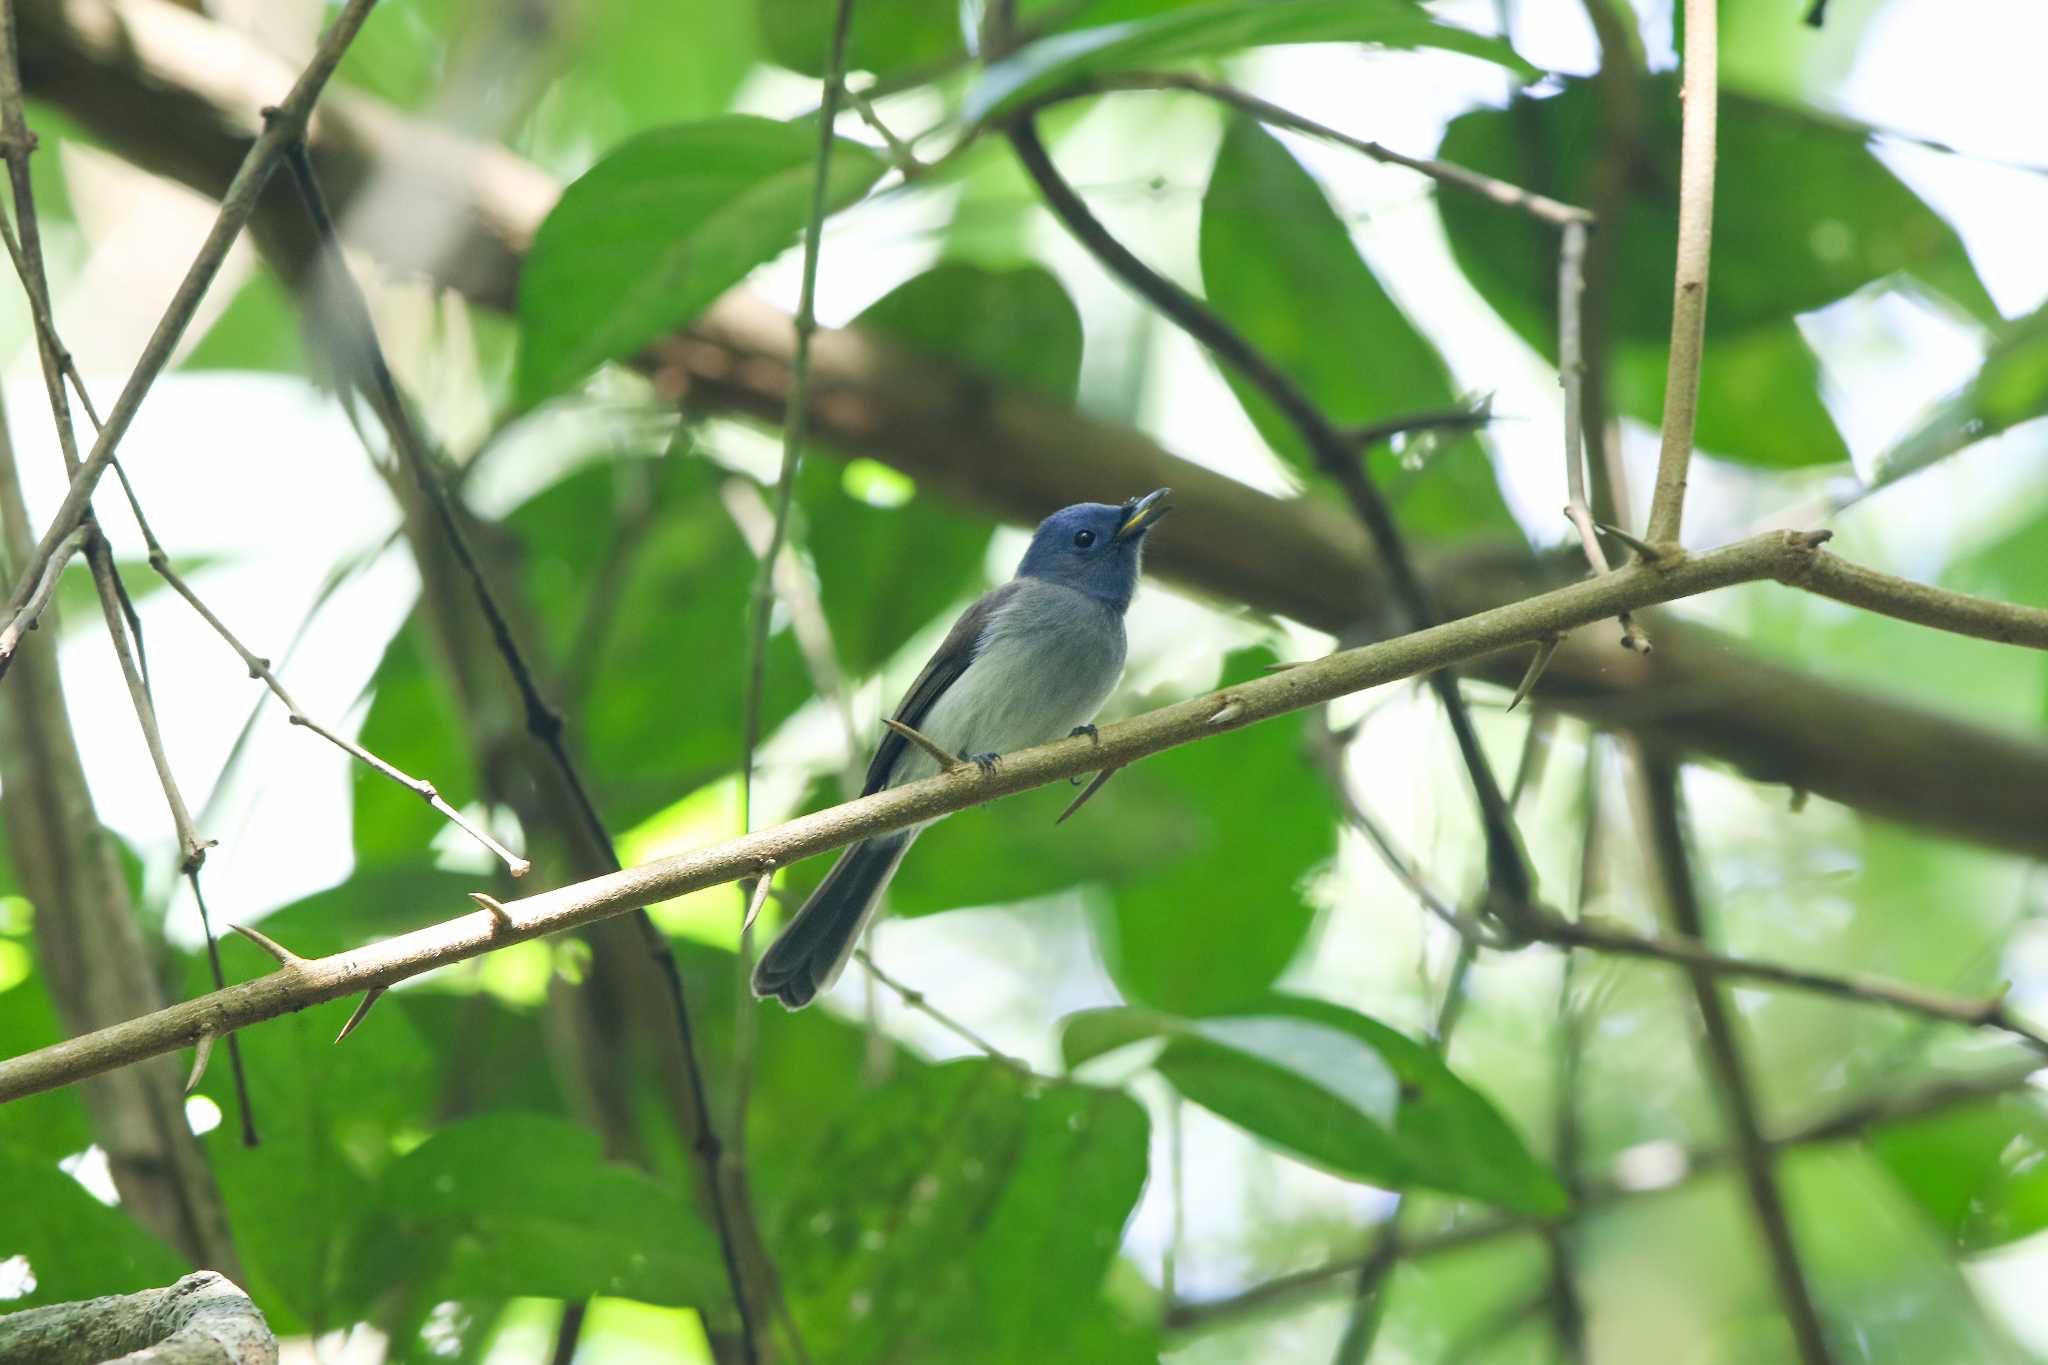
{"x":1777,"y":554}
{"x":1752,"y":1153}
{"x":283,"y":125}
{"x":1540,"y":207}
{"x":1701,"y":94}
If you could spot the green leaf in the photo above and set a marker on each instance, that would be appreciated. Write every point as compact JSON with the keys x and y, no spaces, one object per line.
{"x":1017,"y":325}
{"x":887,"y":37}
{"x":662,"y":714}
{"x":963,"y":1214}
{"x":1215,"y":30}
{"x":2011,"y":387}
{"x":331,"y":1118}
{"x":509,"y":1204}
{"x":1280,"y":266}
{"x":51,"y":1125}
{"x":259,"y":330}
{"x":1826,"y":221}
{"x":1217,"y":924}
{"x":75,"y":1246}
{"x":888,"y":566}
{"x":1759,"y":396}
{"x":1981,"y":1173}
{"x":1133,"y":829}
{"x":1340,"y":1091}
{"x":664,"y":224}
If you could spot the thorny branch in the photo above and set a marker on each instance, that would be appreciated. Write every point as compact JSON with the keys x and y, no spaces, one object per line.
{"x":1781,"y":555}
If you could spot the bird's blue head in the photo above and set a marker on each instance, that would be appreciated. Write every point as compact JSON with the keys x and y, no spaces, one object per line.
{"x":1095,"y":547}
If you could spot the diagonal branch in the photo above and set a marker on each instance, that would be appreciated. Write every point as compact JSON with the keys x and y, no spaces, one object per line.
{"x":1777,"y":554}
{"x":283,"y":125}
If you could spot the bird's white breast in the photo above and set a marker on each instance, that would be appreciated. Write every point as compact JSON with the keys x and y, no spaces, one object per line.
{"x":1048,"y":660}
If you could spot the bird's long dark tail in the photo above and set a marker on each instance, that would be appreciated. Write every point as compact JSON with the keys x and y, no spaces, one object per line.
{"x":815,"y":945}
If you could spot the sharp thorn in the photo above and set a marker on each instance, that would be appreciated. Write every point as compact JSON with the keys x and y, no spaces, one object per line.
{"x":1537,"y":663}
{"x":495,"y":906}
{"x":202,"y":1053}
{"x":1082,"y":799}
{"x":370,"y":997}
{"x":762,"y":885}
{"x":285,"y":956}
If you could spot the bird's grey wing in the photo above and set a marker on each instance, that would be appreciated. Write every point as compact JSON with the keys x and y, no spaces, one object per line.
{"x":946,"y":665}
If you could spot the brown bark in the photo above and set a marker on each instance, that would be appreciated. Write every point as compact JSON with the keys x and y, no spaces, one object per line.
{"x":180,"y":95}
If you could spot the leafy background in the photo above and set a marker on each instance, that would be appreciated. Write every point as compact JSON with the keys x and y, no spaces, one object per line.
{"x":1225,"y":997}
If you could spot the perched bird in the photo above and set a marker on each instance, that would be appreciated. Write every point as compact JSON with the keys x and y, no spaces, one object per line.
{"x":1030,"y":662}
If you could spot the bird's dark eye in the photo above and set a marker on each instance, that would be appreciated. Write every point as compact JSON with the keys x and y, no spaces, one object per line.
{"x":1084,"y":538}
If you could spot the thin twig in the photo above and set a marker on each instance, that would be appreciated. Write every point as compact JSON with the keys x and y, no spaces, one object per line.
{"x":901,"y":154}
{"x":1537,"y":206}
{"x":795,"y":425}
{"x":259,"y":668}
{"x":1992,"y":1012}
{"x":932,"y":748}
{"x":1571,"y":376}
{"x":1463,"y":417}
{"x":1510,"y":890}
{"x":918,"y":1001}
{"x":1701,"y":94}
{"x":796,"y":412}
{"x":361,"y":361}
{"x":283,"y":125}
{"x":1753,"y":1156}
{"x":31,"y":611}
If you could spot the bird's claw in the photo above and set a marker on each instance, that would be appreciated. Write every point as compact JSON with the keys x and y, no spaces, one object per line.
{"x":985,"y":762}
{"x":1088,"y":730}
